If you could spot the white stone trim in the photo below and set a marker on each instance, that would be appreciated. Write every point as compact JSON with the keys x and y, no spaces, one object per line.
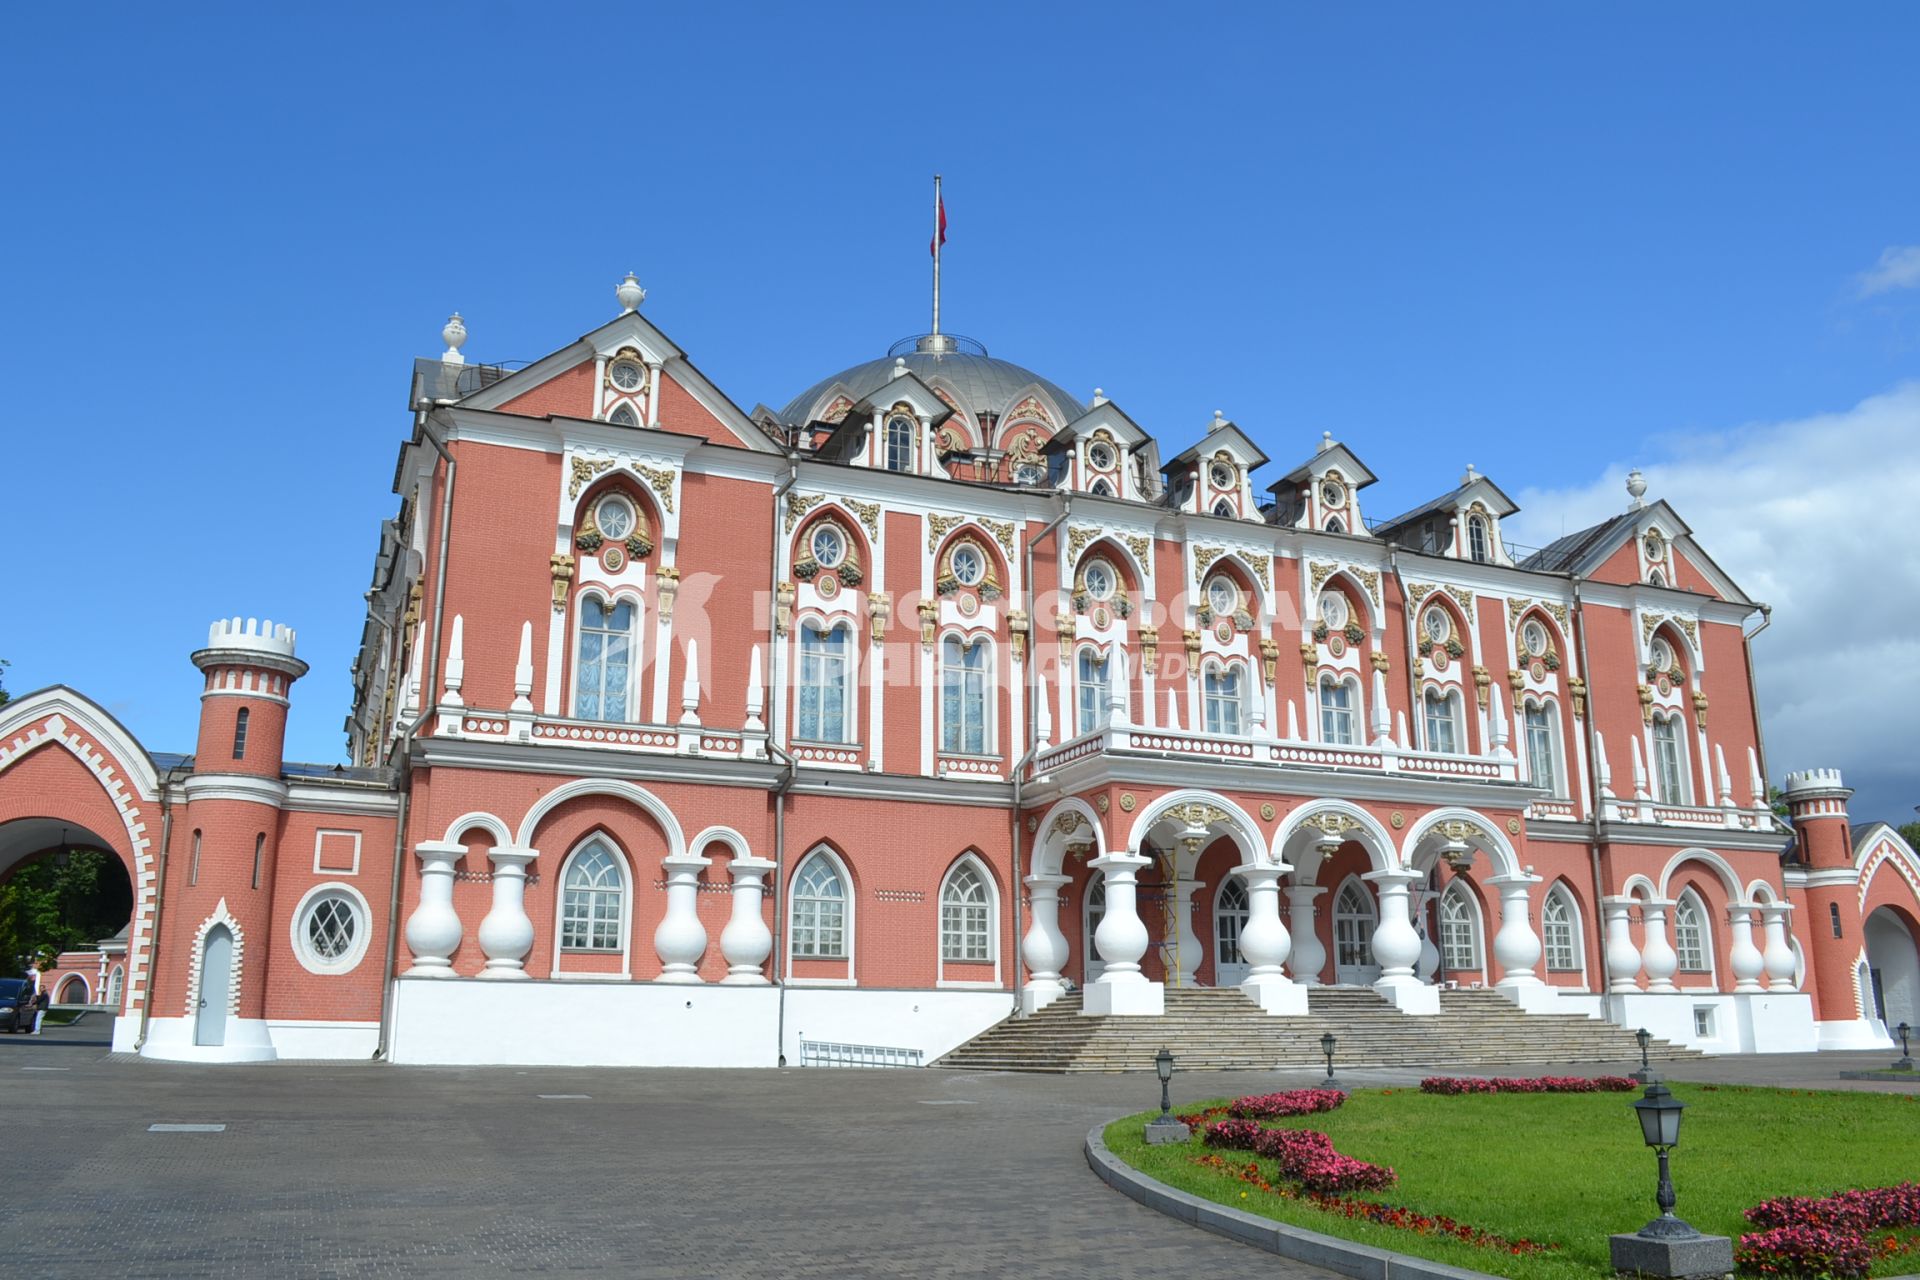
{"x":220,"y":916}
{"x":297,"y":933}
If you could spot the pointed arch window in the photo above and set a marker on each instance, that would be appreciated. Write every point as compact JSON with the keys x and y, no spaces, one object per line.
{"x":899,"y":448}
{"x":820,"y":911}
{"x":1670,"y":759}
{"x":1441,"y":712}
{"x":1229,"y":918}
{"x":603,"y":676}
{"x":1091,"y":682}
{"x":966,"y":924}
{"x":966,"y":675}
{"x":1352,"y":927}
{"x":1543,"y":748}
{"x":1337,"y":707}
{"x":1690,"y":943}
{"x":826,"y":658}
{"x":1479,"y":545}
{"x":1225,"y":694}
{"x":1459,"y":946}
{"x":592,"y":896}
{"x":1559,"y":934}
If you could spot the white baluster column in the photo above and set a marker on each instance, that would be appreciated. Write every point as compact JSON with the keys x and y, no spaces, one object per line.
{"x":1743,"y":957}
{"x":680,"y":940}
{"x":1309,"y":956}
{"x":1264,"y":943}
{"x":1778,"y":956}
{"x":1517,"y":946}
{"x":1623,"y":958}
{"x":1429,"y":954}
{"x":1122,"y":939}
{"x":1396,"y":947}
{"x":1656,"y":953}
{"x":433,"y":930}
{"x":506,"y":935}
{"x":746,"y":942}
{"x":1044,"y":946}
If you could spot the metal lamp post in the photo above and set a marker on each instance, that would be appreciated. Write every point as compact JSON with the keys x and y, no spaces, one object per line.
{"x":1327,"y":1042}
{"x":1668,"y":1245}
{"x":1164,"y":1128}
{"x":1906,"y":1054}
{"x":1645,"y":1074}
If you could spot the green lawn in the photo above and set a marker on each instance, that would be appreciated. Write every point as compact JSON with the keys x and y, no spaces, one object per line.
{"x":1570,"y":1169}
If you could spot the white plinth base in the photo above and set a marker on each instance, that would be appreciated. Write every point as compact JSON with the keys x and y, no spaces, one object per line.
{"x":1276,"y":995}
{"x":1410,"y":997}
{"x":1035,"y":997}
{"x":1858,"y":1033}
{"x":1137,"y":999}
{"x":171,"y":1040}
{"x":1532,"y":997}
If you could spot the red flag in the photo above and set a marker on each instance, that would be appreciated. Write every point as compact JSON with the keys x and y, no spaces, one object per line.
{"x":939,"y":235}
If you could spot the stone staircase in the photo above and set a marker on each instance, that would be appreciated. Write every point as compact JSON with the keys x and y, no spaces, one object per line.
{"x":1222,"y":1030}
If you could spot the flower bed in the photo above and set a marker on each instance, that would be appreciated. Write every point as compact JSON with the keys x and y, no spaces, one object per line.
{"x":1827,"y":1235}
{"x":1450,"y":1085}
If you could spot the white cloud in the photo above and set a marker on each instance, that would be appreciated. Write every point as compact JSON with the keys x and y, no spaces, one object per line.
{"x":1898,"y":268}
{"x":1817,"y":517}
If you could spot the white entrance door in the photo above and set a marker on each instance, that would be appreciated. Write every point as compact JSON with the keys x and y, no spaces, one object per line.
{"x":1353,"y":921}
{"x":1096,"y":910}
{"x":216,"y":968}
{"x":1229,"y":918}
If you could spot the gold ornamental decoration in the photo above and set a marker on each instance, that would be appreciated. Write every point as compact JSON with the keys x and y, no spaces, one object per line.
{"x":660,"y":479}
{"x":584,"y":470}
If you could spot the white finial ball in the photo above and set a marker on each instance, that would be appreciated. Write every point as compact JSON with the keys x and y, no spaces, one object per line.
{"x":630,"y":293}
{"x":455,"y":333}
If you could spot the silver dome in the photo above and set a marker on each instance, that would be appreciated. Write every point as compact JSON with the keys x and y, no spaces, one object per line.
{"x":981,"y":383}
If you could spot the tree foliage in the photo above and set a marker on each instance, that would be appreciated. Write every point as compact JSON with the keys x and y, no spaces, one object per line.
{"x":63,"y":902}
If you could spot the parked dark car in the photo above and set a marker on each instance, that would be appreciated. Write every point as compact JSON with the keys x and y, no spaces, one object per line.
{"x":17,"y":1005}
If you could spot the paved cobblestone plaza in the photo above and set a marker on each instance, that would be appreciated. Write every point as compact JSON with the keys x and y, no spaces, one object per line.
{"x":363,"y":1170}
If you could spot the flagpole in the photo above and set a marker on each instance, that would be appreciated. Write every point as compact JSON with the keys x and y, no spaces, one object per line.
{"x":936,"y":253}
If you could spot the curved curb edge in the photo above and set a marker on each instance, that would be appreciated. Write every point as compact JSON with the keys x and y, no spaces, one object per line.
{"x":1344,"y":1257}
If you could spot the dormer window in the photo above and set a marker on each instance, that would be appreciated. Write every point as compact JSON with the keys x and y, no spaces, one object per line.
{"x":899,"y":447}
{"x":828,"y":546}
{"x":627,"y":375}
{"x":1100,"y":456}
{"x":1221,"y":475}
{"x":1479,"y":545}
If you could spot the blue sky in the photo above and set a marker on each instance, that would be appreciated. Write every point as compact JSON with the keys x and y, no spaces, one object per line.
{"x":1549,"y":241}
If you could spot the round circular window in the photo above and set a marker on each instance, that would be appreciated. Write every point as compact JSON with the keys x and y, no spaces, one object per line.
{"x":1223,"y":596}
{"x":614,"y":516}
{"x":968,"y":566}
{"x":828,"y":546}
{"x":1333,"y":609}
{"x":1437,"y":626}
{"x":1534,"y":637}
{"x":626,"y":375}
{"x":331,"y":929}
{"x":1099,"y":580}
{"x":1100,"y":456}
